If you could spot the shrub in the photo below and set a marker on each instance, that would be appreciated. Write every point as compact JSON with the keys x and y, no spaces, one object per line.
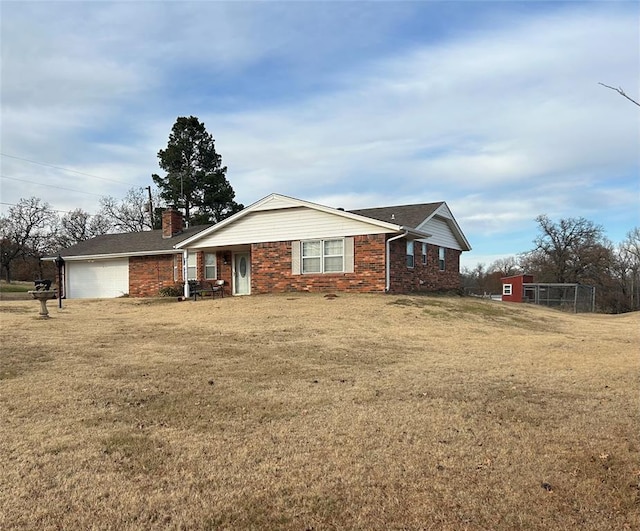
{"x":171,"y":291}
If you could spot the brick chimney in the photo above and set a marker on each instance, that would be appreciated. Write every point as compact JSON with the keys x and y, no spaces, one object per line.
{"x":172,"y":223}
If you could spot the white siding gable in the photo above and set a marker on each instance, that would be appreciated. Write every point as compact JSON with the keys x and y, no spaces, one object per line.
{"x":441,"y":234}
{"x":444,"y":230}
{"x":284,"y":224}
{"x":275,"y":202}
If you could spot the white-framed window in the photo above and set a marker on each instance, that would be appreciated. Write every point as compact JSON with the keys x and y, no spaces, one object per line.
{"x":210,"y":269}
{"x":323,"y":256}
{"x":410,"y":255}
{"x":507,"y":289}
{"x":424,"y":253}
{"x":441,"y":255}
{"x":177,"y":267}
{"x":192,"y":266}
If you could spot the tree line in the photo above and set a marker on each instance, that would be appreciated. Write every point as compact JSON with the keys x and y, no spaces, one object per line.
{"x":571,"y":250}
{"x":195,"y":181}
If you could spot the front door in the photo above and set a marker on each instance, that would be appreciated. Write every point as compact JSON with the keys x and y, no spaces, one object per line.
{"x":241,"y":274}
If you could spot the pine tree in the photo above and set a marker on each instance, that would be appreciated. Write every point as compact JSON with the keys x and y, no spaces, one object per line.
{"x":195,"y":177}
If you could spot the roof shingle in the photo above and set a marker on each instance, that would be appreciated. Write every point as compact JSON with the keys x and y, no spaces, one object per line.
{"x":129,"y":242}
{"x":406,"y":215}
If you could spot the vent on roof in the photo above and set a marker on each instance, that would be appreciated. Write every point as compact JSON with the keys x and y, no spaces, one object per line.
{"x":393,"y":216}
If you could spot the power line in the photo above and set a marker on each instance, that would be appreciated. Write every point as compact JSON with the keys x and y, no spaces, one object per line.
{"x":49,"y":185}
{"x":54,"y":209}
{"x":67,"y":169}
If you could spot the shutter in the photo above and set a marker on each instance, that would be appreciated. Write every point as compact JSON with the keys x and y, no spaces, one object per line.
{"x":348,"y":255}
{"x":295,"y":257}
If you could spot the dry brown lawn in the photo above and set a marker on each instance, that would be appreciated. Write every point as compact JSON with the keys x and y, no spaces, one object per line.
{"x":304,"y":412}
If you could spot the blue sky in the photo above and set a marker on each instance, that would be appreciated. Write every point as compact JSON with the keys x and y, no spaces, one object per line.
{"x":493,"y":107}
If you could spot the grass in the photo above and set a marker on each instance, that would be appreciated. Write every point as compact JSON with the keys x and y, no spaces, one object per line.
{"x":16,"y":290}
{"x":301,"y":412}
{"x":15,"y":287}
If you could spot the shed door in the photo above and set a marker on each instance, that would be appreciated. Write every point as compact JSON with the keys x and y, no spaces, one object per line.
{"x":100,"y":279}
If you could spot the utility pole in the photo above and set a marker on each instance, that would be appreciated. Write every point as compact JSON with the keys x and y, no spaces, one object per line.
{"x":150,"y":206}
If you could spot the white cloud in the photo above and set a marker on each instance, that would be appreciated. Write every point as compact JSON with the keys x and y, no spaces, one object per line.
{"x":504,"y":120}
{"x":531,"y":111}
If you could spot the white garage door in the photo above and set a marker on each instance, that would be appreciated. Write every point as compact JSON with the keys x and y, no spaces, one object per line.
{"x":99,"y":279}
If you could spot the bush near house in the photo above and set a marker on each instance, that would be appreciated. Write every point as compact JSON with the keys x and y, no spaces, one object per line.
{"x":172,"y":291}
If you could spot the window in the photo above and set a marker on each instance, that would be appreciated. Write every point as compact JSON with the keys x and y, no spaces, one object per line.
{"x":410,"y":257}
{"x":210,"y":271}
{"x":441,"y":255}
{"x":192,"y":266}
{"x":323,"y":256}
{"x":424,"y":253}
{"x":507,"y":289}
{"x":177,"y":267}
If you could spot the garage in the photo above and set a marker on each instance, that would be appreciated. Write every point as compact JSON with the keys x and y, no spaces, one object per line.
{"x":97,"y":279}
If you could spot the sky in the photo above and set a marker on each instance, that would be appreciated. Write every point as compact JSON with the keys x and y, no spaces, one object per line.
{"x":493,"y":107}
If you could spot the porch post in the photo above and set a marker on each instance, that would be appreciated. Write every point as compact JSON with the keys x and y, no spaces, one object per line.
{"x":185,"y":255}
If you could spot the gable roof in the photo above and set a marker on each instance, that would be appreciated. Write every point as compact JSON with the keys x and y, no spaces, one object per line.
{"x":281,"y":202}
{"x":427,"y":217}
{"x":411,"y":219}
{"x":407,"y":215}
{"x":129,"y":244}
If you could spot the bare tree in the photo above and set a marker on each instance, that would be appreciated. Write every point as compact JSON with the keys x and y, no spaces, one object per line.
{"x":621,"y":92}
{"x":131,"y":214}
{"x":566,"y":251}
{"x":507,"y":267}
{"x":629,"y":255}
{"x":27,"y":231}
{"x":78,"y":226}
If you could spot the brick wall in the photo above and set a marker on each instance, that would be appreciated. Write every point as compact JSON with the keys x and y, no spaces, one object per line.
{"x":223,"y":269}
{"x":271,"y":269}
{"x":172,"y":223}
{"x":423,"y":277}
{"x":148,"y":274}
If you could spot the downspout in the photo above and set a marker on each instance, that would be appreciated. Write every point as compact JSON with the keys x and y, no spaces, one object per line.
{"x":388,"y":264}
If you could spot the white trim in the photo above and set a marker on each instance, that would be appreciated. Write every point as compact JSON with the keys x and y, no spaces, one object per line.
{"x":291,"y":202}
{"x":410,"y":243}
{"x":295,"y":257}
{"x":349,"y":254}
{"x":214,"y":265}
{"x":75,"y":258}
{"x":323,"y":256}
{"x":187,"y":293}
{"x":234,"y":273}
{"x":443,"y":212}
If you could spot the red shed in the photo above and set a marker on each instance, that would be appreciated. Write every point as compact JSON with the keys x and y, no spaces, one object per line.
{"x":513,"y":289}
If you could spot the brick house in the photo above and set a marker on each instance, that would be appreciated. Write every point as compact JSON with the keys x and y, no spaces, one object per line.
{"x":279,"y":244}
{"x":138,"y":264}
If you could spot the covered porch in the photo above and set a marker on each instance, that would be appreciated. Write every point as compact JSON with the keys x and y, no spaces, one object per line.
{"x":232,"y":264}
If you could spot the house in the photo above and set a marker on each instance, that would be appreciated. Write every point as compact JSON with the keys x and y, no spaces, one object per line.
{"x":137,"y":264}
{"x":279,"y":244}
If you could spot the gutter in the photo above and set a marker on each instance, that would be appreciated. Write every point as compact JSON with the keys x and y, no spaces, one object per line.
{"x":388,"y":264}
{"x":80,"y":257}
